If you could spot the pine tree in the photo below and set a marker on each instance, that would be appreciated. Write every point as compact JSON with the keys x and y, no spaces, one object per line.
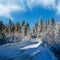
{"x":18,"y":27}
{"x":41,"y":24}
{"x":1,"y":26}
{"x":46,"y":26}
{"x":23,"y":23}
{"x":26,"y":29}
{"x":40,"y":28}
{"x":58,"y":32}
{"x":11,"y":26}
{"x":33,"y":30}
{"x":48,"y":23}
{"x":52,"y":22}
{"x":27,"y":25}
{"x":36,"y":27}
{"x":3,"y":38}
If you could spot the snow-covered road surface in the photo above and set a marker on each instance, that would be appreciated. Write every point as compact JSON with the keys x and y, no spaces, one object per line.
{"x":28,"y":50}
{"x":32,"y":46}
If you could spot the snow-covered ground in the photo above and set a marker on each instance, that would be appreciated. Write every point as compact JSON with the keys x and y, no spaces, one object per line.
{"x":31,"y":49}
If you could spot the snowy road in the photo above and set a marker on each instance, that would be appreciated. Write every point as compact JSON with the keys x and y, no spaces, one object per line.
{"x":28,"y":50}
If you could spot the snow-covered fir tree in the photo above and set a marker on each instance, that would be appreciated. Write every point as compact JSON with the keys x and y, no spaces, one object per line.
{"x":40,"y":27}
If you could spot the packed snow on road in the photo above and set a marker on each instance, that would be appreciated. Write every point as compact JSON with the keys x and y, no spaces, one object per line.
{"x":31,"y":49}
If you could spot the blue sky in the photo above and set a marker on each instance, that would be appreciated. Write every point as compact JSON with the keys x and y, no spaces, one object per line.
{"x":29,"y":10}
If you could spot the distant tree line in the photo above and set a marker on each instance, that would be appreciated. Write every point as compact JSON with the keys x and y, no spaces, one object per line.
{"x":11,"y":27}
{"x":24,"y":28}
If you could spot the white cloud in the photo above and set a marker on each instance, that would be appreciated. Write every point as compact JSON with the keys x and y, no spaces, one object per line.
{"x":58,"y":7}
{"x":5,"y":10}
{"x":9,"y":6}
{"x":44,"y":3}
{"x":47,"y":4}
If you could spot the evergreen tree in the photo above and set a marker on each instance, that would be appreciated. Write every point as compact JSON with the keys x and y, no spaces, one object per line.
{"x":33,"y":30}
{"x":3,"y":38}
{"x":58,"y":33}
{"x":48,"y":23}
{"x":18,"y":27}
{"x":52,"y":22}
{"x":26,"y":29}
{"x":27,"y":25}
{"x":36,"y":27}
{"x":46,"y":26}
{"x":1,"y":26}
{"x":41,"y":24}
{"x":11,"y":26}
{"x":23,"y":23}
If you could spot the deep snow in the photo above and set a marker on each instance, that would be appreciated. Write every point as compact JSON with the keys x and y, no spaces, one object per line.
{"x":31,"y":49}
